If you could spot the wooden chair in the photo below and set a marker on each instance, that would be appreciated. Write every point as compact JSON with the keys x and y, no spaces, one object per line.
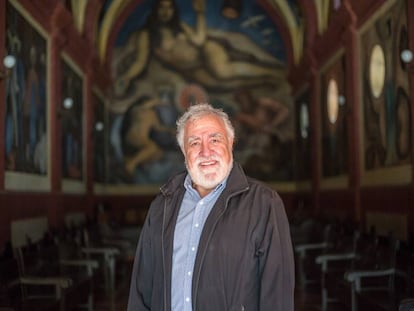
{"x":334,"y":263}
{"x":107,"y":256}
{"x":113,"y":249}
{"x":41,"y":255}
{"x":307,"y":270}
{"x":29,"y":293}
{"x":382,"y":284}
{"x":70,"y":261}
{"x":406,"y":304}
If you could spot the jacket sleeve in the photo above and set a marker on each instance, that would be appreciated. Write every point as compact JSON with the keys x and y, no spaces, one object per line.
{"x":140,"y":291}
{"x":276,"y":263}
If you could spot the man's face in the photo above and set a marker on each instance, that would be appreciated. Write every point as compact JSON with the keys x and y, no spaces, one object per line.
{"x":165,"y":11}
{"x":207,"y":151}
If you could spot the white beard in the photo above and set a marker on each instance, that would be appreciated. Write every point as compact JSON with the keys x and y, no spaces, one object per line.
{"x":210,"y":177}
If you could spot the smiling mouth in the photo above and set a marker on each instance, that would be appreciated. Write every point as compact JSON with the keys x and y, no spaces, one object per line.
{"x":208,"y":163}
{"x":208,"y":167}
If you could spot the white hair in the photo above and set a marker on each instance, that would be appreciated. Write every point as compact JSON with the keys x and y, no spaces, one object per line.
{"x":196,"y":112}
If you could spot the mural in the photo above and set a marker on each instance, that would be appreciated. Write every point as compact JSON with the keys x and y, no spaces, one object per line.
{"x":26,"y":148}
{"x":387,"y":121}
{"x":334,"y":131}
{"x":71,"y":116}
{"x":171,"y":55}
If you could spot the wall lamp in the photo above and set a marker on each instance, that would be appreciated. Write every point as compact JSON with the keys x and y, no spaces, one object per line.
{"x":9,"y":62}
{"x":99,"y":126}
{"x":341,"y":100}
{"x":67,"y":105}
{"x":407,"y":57}
{"x":97,"y":130}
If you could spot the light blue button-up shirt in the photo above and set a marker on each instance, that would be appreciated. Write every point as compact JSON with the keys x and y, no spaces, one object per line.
{"x":193,"y":213}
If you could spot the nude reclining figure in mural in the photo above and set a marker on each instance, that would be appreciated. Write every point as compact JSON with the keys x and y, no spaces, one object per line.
{"x":193,"y":52}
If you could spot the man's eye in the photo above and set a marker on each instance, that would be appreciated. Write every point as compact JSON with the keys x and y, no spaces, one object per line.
{"x":194,"y":144}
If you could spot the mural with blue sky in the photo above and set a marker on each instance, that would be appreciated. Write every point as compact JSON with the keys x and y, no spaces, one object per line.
{"x":253,"y":22}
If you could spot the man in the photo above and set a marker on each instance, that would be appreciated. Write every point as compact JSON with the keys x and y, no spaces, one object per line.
{"x":214,"y":239}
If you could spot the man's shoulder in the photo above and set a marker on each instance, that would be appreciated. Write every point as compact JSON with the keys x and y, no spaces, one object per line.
{"x":261,"y":189}
{"x":259,"y":184}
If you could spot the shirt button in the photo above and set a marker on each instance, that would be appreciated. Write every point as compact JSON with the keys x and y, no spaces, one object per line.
{"x":193,"y":248}
{"x":196,"y":225}
{"x":189,"y":273}
{"x":187,"y":299}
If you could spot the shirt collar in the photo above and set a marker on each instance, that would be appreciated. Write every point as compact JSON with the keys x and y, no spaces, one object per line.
{"x":188,"y":184}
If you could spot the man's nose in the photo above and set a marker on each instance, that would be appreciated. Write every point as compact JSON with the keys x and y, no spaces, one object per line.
{"x":205,"y":149}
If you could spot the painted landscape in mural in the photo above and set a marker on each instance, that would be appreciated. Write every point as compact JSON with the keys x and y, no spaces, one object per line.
{"x":175,"y":55}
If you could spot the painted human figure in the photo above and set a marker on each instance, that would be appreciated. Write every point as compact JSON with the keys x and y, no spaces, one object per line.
{"x":194,"y":53}
{"x":15,"y":87}
{"x":31,"y":106}
{"x":138,"y":123}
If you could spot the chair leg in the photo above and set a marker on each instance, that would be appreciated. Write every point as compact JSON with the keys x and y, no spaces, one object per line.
{"x":324,"y":292}
{"x":90,"y":302}
{"x":324,"y":299}
{"x":110,"y":278}
{"x":354,"y":298}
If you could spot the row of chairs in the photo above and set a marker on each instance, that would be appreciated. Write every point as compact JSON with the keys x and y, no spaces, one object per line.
{"x":357,"y":270}
{"x":40,"y":276}
{"x":45,"y":269}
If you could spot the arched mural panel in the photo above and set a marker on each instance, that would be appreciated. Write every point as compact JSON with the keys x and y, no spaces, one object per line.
{"x":174,"y":55}
{"x":386,"y":153}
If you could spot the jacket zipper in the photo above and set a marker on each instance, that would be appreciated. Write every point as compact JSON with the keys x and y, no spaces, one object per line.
{"x":163,"y":254}
{"x":208,"y":241}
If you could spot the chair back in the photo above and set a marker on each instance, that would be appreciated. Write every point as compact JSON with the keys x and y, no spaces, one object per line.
{"x":406,"y":305}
